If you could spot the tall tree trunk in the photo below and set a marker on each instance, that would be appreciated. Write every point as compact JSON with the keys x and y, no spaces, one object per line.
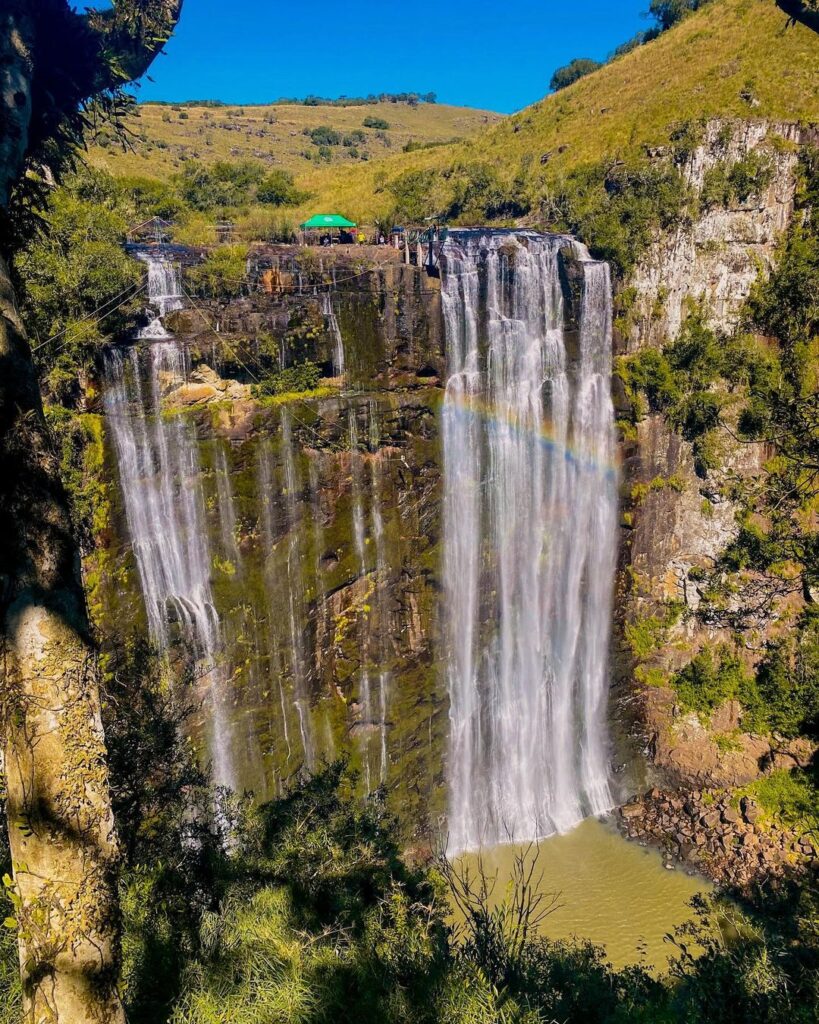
{"x":61,"y":828}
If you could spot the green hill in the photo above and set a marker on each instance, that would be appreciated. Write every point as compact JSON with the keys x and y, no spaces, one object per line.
{"x":732,"y":58}
{"x":165,"y":137}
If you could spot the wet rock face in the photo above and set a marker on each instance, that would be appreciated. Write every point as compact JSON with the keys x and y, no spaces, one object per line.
{"x":322,"y":520}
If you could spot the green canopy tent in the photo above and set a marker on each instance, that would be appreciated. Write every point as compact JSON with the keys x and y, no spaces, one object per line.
{"x":327,"y":222}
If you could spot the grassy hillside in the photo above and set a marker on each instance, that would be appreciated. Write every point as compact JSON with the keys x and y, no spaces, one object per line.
{"x":737,"y":58}
{"x":165,"y":137}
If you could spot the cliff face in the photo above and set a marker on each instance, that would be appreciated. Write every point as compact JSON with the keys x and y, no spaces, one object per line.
{"x":679,"y":517}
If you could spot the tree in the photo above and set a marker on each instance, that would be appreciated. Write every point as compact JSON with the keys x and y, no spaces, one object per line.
{"x":669,"y":12}
{"x":277,"y":189}
{"x":577,"y":68}
{"x":53,"y":61}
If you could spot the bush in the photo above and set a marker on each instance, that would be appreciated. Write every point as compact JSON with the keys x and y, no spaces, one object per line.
{"x":223,"y":273}
{"x":292,"y":380}
{"x":376,"y":122}
{"x":571,"y":72}
{"x":788,"y":679}
{"x":278,"y":189}
{"x":711,"y":678}
{"x":726,"y":183}
{"x":222,"y":184}
{"x":619,"y":208}
{"x":668,"y":12}
{"x":324,"y":136}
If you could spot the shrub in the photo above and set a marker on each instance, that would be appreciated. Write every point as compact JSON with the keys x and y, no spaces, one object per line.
{"x":619,"y":208}
{"x":726,"y":183}
{"x":788,"y":679}
{"x":223,"y":273}
{"x":711,"y":678}
{"x":278,"y":189}
{"x":324,"y":136}
{"x":292,"y":380}
{"x":668,"y":12}
{"x":376,"y":122}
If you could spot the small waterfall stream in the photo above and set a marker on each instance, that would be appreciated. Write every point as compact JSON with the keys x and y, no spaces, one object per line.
{"x":530,"y":502}
{"x":335,"y":330}
{"x":164,"y":293}
{"x":160,"y":476}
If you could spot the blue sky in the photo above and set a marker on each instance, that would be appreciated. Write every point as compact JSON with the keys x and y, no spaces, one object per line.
{"x":495,"y":54}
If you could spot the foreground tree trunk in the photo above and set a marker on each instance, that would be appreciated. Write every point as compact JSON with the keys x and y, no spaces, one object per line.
{"x":61,"y":828}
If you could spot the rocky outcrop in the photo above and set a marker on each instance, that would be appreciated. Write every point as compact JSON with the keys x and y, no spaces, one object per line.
{"x":715,"y":260}
{"x":717,"y":835}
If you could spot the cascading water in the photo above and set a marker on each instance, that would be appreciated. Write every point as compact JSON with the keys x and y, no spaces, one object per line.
{"x":161,"y":484}
{"x":335,"y":331}
{"x":382,"y":569}
{"x":295,"y":593}
{"x":530,"y":500}
{"x":160,"y":477}
{"x":164,"y":292}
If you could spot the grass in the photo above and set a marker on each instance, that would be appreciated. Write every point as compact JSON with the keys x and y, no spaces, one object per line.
{"x":733,"y":58}
{"x":788,"y":799}
{"x":165,"y":141}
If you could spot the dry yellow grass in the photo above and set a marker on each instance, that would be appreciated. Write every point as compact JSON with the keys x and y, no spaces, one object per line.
{"x":733,"y":58}
{"x":166,"y":138}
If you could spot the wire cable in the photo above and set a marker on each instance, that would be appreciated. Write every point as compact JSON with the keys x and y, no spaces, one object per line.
{"x":137,"y":289}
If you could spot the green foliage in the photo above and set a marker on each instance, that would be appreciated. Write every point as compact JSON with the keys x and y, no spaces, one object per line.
{"x":149,"y":197}
{"x":376,"y":122}
{"x":668,"y":12}
{"x":223,"y":272}
{"x":645,"y":636}
{"x":222,"y":184}
{"x":411,"y":191}
{"x":779,"y":517}
{"x":171,"y":825}
{"x":72,"y":268}
{"x":711,"y":678}
{"x":688,"y":379}
{"x":10,"y":985}
{"x":788,"y":799}
{"x":479,"y":193}
{"x":323,"y":136}
{"x":648,"y":373}
{"x":788,"y":678}
{"x":79,"y":441}
{"x":277,"y":189}
{"x":294,"y":379}
{"x":571,"y":72}
{"x":738,"y":181}
{"x":618,"y":208}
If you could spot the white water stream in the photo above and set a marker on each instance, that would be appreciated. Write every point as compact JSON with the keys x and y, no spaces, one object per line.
{"x":530,"y":500}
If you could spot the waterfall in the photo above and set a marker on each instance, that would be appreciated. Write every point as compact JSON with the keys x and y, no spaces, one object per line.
{"x":382,"y":584}
{"x":530,"y":500}
{"x":159,"y":474}
{"x":164,"y":292}
{"x":295,"y":592}
{"x":335,"y":331}
{"x":359,"y":545}
{"x":227,"y":513}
